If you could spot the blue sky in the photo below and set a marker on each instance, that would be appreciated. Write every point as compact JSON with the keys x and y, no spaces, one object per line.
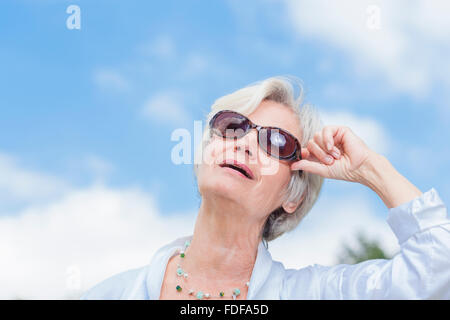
{"x":83,"y":107}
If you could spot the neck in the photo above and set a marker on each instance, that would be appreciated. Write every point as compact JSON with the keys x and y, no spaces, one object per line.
{"x":225,"y":242}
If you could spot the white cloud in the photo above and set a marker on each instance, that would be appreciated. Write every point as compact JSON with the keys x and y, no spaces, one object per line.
{"x":20,"y":184}
{"x":195,"y":64}
{"x":162,"y":46}
{"x":99,"y":166}
{"x":409,"y":49}
{"x":368,"y":129}
{"x":166,"y":107}
{"x":90,"y":167}
{"x":98,"y":231}
{"x":205,"y":65}
{"x":108,"y":79}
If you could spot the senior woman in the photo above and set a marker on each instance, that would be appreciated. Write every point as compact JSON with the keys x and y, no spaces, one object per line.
{"x":265,"y":156}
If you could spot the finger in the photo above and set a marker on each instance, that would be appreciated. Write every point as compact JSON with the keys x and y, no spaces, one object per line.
{"x":329,"y":134}
{"x":321,"y":142}
{"x":319,"y":153}
{"x":328,"y":140}
{"x":318,"y":139}
{"x":310,"y":166}
{"x":336,"y":152}
{"x":305,"y":154}
{"x":296,"y":165}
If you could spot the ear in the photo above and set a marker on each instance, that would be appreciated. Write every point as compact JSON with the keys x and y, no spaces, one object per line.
{"x":290,"y":207}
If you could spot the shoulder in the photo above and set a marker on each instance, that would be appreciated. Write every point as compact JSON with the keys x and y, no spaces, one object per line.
{"x":135,"y":283}
{"x":118,"y":285}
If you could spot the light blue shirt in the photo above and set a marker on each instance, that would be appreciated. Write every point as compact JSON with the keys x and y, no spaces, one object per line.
{"x":420,"y":270}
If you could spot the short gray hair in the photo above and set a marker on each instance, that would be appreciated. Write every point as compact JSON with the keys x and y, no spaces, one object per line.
{"x":280,"y":89}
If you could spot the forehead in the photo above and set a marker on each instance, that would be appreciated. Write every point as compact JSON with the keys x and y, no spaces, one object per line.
{"x":274,"y":114}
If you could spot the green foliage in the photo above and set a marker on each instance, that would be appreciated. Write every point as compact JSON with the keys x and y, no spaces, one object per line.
{"x":367,"y":249}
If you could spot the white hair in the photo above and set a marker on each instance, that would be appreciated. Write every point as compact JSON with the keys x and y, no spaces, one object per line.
{"x":280,"y":89}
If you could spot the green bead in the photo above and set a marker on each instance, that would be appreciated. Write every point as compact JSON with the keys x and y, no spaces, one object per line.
{"x":222,"y":293}
{"x":199,"y":295}
{"x":187,"y":243}
{"x":182,"y":255}
{"x":236,"y":292}
{"x":178,"y":288}
{"x":180,"y":271}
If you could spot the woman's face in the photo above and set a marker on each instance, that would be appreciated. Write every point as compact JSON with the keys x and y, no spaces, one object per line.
{"x":262,"y":194}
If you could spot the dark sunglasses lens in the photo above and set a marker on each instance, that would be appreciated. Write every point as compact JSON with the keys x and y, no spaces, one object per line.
{"x":277,"y":143}
{"x":230,"y":125}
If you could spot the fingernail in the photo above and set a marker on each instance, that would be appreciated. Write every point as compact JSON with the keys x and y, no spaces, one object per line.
{"x":336,"y":150}
{"x":328,"y":159}
{"x":329,"y":146}
{"x":335,"y":154}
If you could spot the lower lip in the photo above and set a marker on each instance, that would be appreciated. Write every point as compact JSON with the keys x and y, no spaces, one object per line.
{"x":235,"y":172}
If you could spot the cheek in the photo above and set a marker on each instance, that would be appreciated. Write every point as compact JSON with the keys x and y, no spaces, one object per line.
{"x":211,"y":150}
{"x":271,"y":187}
{"x":271,"y":168}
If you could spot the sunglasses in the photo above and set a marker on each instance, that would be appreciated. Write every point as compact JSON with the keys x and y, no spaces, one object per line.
{"x":276,"y":142}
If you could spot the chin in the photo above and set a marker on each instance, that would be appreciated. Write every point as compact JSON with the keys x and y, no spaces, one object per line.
{"x":223,"y":185}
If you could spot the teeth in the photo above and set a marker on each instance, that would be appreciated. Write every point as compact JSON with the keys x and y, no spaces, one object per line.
{"x":238,"y":169}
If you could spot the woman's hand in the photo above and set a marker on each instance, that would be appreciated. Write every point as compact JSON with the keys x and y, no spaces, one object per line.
{"x":355,"y":162}
{"x":347,"y":152}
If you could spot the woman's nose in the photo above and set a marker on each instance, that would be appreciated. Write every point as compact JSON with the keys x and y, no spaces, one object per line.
{"x":247,"y":143}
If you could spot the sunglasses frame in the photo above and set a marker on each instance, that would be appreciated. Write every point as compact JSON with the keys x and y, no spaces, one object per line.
{"x":296,"y":155}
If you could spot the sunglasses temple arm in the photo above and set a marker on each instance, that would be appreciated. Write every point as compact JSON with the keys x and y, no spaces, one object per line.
{"x":299,"y":153}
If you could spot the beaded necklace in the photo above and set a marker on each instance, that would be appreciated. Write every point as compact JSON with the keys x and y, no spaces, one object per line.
{"x":200,"y":295}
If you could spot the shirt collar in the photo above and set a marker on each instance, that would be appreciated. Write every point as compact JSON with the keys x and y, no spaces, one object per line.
{"x":158,"y":264}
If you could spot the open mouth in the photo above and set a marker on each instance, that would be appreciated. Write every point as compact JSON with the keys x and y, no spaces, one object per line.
{"x":239,"y":168}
